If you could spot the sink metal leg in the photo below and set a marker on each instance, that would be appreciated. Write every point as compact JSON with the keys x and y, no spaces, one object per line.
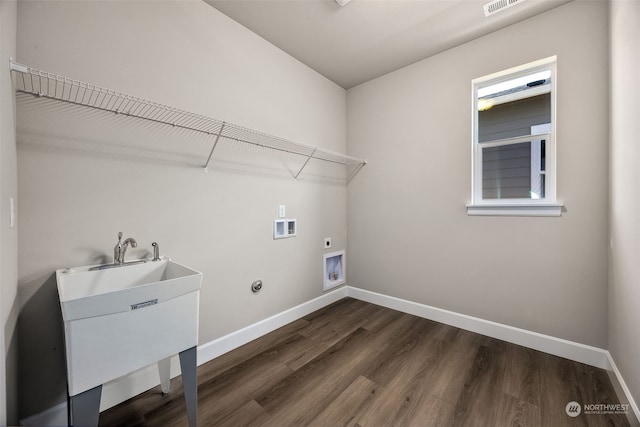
{"x":164,"y":368}
{"x":85,"y":408}
{"x":188,"y":365}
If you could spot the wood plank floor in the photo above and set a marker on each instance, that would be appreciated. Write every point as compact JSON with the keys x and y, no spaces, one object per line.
{"x":357,"y":364}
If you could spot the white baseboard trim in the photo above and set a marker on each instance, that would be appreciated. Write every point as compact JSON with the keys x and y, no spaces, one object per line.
{"x":219,"y":346}
{"x":124,"y":388}
{"x":117,"y":391}
{"x":623,"y":391}
{"x":557,"y":346}
{"x":578,"y":352}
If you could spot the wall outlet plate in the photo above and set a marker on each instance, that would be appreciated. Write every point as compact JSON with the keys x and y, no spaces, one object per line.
{"x":327,"y":242}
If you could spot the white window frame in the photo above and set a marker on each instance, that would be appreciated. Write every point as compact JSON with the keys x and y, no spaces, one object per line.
{"x":536,"y":159}
{"x":547,"y":206}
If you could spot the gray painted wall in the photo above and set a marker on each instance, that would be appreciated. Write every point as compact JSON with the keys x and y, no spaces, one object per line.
{"x":77,"y":189}
{"x":624,"y":288}
{"x":9,"y":306}
{"x":409,"y":234}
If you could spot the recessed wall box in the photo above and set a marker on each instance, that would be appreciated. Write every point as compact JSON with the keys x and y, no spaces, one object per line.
{"x":334,"y":269}
{"x":283,"y":228}
{"x":279,"y":232}
{"x":291,"y":227}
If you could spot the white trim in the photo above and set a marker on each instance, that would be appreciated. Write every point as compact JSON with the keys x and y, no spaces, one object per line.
{"x":515,"y":209}
{"x":117,"y":391}
{"x":537,"y":183}
{"x":124,"y":388}
{"x":622,"y":390}
{"x":484,"y":102}
{"x":557,"y":346}
{"x":114,"y":392}
{"x":513,"y":72}
{"x":515,"y":140}
{"x":222,"y":345}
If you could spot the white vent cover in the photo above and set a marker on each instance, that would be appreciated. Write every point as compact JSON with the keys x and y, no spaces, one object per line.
{"x":496,"y":6}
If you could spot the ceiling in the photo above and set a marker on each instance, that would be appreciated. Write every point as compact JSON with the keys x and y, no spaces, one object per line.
{"x":368,"y":38}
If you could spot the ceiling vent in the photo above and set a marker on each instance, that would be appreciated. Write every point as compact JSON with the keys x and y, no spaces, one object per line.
{"x":496,"y":6}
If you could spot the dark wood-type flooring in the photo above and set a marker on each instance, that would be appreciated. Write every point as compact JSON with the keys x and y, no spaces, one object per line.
{"x":357,"y":364}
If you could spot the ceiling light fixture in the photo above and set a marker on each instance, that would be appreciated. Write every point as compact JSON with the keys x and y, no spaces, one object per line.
{"x":342,"y":2}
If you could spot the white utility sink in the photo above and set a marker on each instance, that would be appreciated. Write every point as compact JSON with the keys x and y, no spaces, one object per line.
{"x":118,"y":320}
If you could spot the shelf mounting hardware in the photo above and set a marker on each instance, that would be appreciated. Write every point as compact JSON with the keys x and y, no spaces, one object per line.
{"x":305,"y":162}
{"x":206,"y":165}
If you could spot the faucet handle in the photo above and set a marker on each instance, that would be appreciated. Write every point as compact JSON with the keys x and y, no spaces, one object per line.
{"x":156,"y":251}
{"x":119,"y":236}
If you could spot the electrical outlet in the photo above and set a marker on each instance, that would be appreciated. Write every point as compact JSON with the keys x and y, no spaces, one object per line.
{"x":282,"y":211}
{"x":327,"y":242}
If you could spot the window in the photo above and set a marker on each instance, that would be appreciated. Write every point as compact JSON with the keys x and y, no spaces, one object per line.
{"x":513,"y":144}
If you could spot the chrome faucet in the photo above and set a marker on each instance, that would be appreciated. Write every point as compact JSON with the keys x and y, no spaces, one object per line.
{"x":121,"y":248}
{"x":125,"y":245}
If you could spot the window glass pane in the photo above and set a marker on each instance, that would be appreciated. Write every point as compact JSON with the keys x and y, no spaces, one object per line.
{"x":513,"y":118}
{"x":506,"y":171}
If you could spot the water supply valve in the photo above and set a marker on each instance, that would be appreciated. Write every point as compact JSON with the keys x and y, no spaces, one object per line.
{"x":256,"y":285}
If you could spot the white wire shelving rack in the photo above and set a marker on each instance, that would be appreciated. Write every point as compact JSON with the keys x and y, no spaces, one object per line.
{"x":53,"y":86}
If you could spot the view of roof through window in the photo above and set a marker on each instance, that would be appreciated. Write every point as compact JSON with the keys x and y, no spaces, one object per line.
{"x":513,"y":84}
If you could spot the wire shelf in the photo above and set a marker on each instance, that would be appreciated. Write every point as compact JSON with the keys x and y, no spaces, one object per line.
{"x":52,"y":86}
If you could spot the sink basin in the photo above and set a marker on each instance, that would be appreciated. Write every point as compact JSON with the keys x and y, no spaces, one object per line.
{"x":86,"y":293}
{"x":118,"y":320}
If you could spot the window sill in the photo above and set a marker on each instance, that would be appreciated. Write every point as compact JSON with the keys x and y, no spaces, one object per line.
{"x":550,"y":209}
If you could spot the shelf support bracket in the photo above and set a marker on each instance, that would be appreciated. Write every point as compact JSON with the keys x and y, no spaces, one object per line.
{"x":206,"y":165}
{"x":14,"y":66}
{"x":305,"y":163}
